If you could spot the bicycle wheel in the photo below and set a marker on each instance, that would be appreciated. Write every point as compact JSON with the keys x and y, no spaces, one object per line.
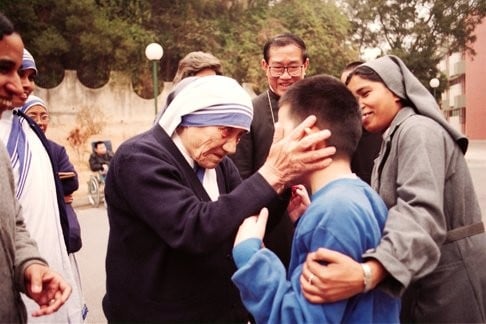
{"x":93,"y":191}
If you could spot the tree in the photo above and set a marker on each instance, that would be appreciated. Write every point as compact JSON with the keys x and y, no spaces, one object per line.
{"x":95,"y":37}
{"x":421,"y":32}
{"x":325,"y":29}
{"x":78,"y":35}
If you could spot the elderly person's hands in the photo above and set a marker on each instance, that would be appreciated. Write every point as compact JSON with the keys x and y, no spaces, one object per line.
{"x":46,"y":287}
{"x":296,"y":154}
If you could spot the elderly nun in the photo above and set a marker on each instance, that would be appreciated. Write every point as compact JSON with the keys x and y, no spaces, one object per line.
{"x":36,"y":109}
{"x":175,"y":201}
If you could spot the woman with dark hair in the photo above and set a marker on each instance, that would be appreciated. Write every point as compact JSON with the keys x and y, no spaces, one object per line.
{"x":22,"y":268}
{"x":432,"y":250}
{"x":40,"y":193}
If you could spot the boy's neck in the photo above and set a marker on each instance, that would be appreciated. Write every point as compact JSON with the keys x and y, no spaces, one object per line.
{"x":338,"y":169}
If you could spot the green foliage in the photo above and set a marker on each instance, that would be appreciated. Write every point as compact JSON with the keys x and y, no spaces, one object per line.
{"x":324,"y":29}
{"x":421,"y":32}
{"x":95,"y":37}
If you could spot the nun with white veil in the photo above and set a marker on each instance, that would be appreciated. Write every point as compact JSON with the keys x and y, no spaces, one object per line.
{"x":175,"y":201}
{"x":36,"y":191}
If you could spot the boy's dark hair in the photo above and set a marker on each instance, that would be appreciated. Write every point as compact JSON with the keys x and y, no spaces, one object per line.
{"x":282,"y":40}
{"x":6,"y":26}
{"x":334,"y":106}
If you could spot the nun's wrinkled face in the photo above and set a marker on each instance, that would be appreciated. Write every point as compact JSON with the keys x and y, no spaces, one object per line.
{"x":39,"y":114}
{"x":208,"y":145}
{"x":378,"y":104}
{"x":11,"y":49}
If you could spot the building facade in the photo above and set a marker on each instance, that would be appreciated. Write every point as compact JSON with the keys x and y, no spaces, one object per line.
{"x":464,"y":100}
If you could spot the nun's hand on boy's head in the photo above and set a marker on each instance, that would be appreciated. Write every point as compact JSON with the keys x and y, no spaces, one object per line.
{"x":252,"y":227}
{"x":298,"y":202}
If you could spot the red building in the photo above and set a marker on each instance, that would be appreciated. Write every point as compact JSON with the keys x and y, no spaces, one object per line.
{"x":464,"y":102}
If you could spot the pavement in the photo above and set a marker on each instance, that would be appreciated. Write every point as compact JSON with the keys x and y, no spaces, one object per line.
{"x":476,"y":160}
{"x":476,"y":152}
{"x":91,"y":259}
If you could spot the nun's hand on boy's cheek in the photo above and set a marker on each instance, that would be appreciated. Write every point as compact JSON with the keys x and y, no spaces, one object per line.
{"x":252,"y":227}
{"x":295,"y":154}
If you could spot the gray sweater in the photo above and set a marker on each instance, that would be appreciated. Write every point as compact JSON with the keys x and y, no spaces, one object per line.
{"x":17,"y":250}
{"x":422,"y":176}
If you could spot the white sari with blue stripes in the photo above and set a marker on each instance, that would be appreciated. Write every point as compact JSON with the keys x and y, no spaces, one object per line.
{"x":37,"y":195}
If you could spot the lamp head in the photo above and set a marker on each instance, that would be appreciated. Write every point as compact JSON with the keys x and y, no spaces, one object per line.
{"x":434,"y":83}
{"x":154,"y":51}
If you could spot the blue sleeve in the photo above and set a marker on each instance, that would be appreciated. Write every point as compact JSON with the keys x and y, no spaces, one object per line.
{"x":272,"y":298}
{"x":243,"y":252}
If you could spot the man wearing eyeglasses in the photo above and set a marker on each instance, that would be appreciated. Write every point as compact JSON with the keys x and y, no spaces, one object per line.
{"x":284,"y":62}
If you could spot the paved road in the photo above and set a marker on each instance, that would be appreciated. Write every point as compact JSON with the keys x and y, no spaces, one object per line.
{"x":91,"y":259}
{"x":476,"y":159}
{"x":94,"y":224}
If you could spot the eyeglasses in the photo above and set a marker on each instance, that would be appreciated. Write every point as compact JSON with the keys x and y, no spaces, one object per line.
{"x":43,"y":117}
{"x":276,"y":71}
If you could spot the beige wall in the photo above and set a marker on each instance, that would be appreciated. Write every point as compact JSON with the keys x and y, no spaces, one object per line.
{"x":125,"y":114}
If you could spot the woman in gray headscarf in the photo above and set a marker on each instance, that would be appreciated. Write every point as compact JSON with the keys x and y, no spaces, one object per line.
{"x":432,"y":250}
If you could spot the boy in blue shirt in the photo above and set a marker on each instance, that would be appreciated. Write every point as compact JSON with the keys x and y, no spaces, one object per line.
{"x":344,"y":215}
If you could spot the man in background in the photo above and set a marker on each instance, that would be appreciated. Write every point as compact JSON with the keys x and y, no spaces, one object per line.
{"x":99,"y":160}
{"x":284,"y":61}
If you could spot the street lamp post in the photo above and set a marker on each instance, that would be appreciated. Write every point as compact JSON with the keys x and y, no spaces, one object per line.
{"x":434,"y":83}
{"x":154,"y":53}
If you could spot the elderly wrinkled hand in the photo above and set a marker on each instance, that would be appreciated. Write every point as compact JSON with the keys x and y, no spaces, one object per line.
{"x":298,"y":152}
{"x":46,"y":287}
